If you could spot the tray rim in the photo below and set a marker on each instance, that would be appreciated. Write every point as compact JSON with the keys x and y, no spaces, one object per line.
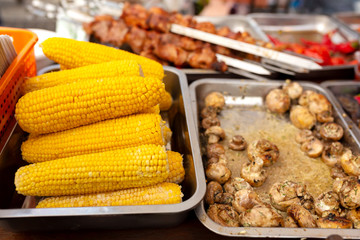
{"x":279,"y":232}
{"x":184,"y":206}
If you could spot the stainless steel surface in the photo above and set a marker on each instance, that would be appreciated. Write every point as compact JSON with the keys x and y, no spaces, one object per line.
{"x":243,"y":65}
{"x":251,"y":93}
{"x":293,"y":27}
{"x":350,"y":19}
{"x":184,"y":140}
{"x":301,"y":64}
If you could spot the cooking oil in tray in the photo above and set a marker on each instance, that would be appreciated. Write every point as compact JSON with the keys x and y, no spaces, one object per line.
{"x":254,"y":122}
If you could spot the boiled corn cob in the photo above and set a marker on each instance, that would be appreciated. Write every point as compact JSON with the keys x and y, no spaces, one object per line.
{"x":154,"y":109}
{"x":71,"y":53}
{"x":176,"y":168}
{"x":106,"y":135}
{"x":139,"y":166}
{"x":75,"y":104}
{"x":166,"y":101}
{"x":162,"y":193}
{"x":94,"y":71}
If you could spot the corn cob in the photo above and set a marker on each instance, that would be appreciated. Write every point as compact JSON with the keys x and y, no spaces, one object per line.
{"x":84,"y":102}
{"x":139,"y":166}
{"x":176,"y":168}
{"x":71,"y":53}
{"x":162,"y":193}
{"x":94,"y":71}
{"x":155,"y":109}
{"x":106,"y":135}
{"x":166,"y":101}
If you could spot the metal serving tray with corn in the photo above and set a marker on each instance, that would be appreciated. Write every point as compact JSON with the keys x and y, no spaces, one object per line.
{"x":99,"y":152}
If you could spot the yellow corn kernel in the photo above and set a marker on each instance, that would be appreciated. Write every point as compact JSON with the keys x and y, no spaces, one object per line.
{"x":75,"y":104}
{"x":106,"y":135}
{"x":166,"y":101}
{"x":155,"y":109}
{"x":94,"y":71}
{"x":176,"y":167}
{"x":71,"y":53}
{"x":162,"y":193}
{"x":139,"y":166}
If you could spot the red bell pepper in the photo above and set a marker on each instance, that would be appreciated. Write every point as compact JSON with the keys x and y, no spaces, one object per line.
{"x":357,"y":98}
{"x":319,"y":52}
{"x":347,"y":47}
{"x":337,"y":61}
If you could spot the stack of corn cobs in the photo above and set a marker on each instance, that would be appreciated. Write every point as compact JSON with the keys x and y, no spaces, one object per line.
{"x":96,"y":137}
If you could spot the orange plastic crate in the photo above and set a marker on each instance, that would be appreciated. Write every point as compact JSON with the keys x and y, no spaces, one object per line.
{"x":24,"y":65}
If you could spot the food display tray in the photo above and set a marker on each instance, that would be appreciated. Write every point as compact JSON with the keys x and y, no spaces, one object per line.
{"x":341,"y":87}
{"x":16,"y":216}
{"x":293,"y":27}
{"x":350,"y":19}
{"x":252,"y":93}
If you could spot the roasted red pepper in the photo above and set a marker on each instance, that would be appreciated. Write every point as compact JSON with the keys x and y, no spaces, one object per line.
{"x":337,"y":61}
{"x":319,"y":52}
{"x":347,"y":47}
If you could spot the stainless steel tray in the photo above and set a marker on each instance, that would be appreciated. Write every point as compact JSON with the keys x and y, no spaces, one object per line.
{"x":180,"y":118}
{"x":253,"y":93}
{"x":293,"y":27}
{"x":337,"y":88}
{"x":350,"y":19}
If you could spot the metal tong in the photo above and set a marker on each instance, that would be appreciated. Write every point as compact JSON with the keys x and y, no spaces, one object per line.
{"x":270,"y":59}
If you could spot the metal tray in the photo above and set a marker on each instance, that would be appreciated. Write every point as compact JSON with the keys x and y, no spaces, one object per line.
{"x":337,"y":88}
{"x":180,"y":119}
{"x":293,"y":27}
{"x":350,"y":19}
{"x":252,"y":93}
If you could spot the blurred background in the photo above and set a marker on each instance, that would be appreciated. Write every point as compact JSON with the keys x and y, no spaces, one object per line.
{"x":47,"y":14}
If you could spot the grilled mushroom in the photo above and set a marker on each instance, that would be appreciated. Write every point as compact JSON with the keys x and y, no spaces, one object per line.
{"x":324,"y":117}
{"x":318,"y":103}
{"x":315,"y":102}
{"x":265,"y":150}
{"x":293,"y":89}
{"x":236,"y":184}
{"x":327,"y":203}
{"x":332,"y":153}
{"x":354,"y":216}
{"x":348,"y":190}
{"x":301,"y":117}
{"x":214,"y":150}
{"x":313,"y":147}
{"x":245,"y":199}
{"x":285,"y":193}
{"x":303,"y":135}
{"x":209,"y":122}
{"x":261,"y":215}
{"x":224,"y":215}
{"x":304,"y":97}
{"x":213,"y":188}
{"x":289,"y":222}
{"x":237,"y":143}
{"x":331,"y":131}
{"x":209,"y":112}
{"x":301,"y":216}
{"x":277,"y":101}
{"x":337,"y":172}
{"x":214,"y":134}
{"x":215,"y":99}
{"x":332,"y":221}
{"x":218,"y":172}
{"x":254,"y":173}
{"x":350,"y":163}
